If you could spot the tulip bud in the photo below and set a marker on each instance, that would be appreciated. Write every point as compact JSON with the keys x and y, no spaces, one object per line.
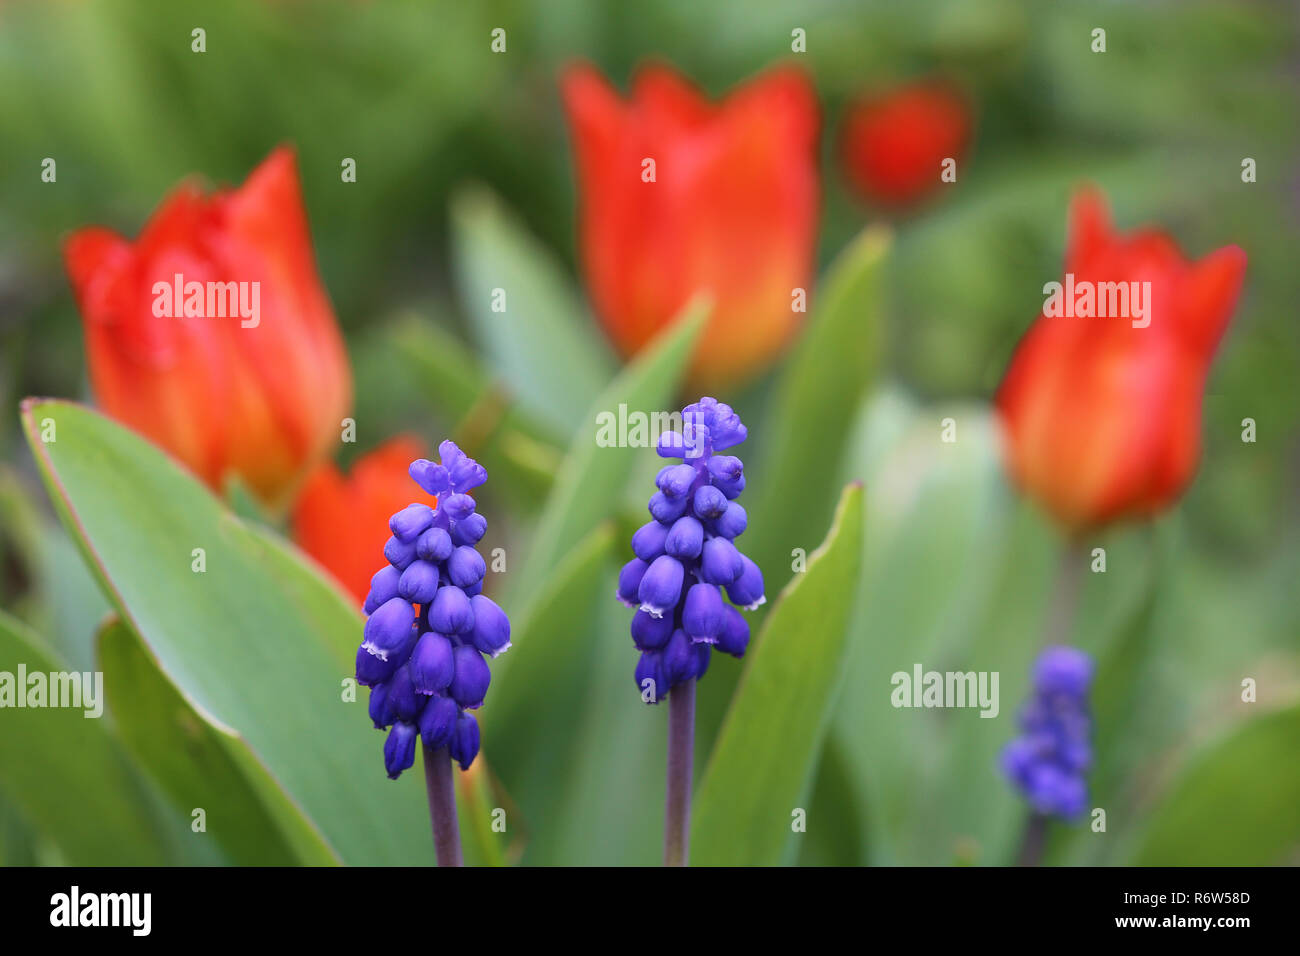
{"x":211,"y":334}
{"x":1102,"y":414}
{"x":731,"y":210}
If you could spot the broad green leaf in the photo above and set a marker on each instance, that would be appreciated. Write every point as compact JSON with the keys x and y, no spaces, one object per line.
{"x":797,"y":476}
{"x":812,"y":412}
{"x":200,"y":764}
{"x":257,"y":641}
{"x":768,"y":748}
{"x":1235,"y":803}
{"x":537,"y":686}
{"x":525,"y":315}
{"x":590,"y":483}
{"x":67,"y":773}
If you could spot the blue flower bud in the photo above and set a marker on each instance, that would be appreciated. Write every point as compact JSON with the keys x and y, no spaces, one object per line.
{"x":375,"y":667}
{"x":710,"y":503}
{"x":456,"y":507}
{"x":702,"y":653}
{"x":399,"y":749}
{"x":434,"y":545}
{"x":469,"y":530}
{"x":720,"y":562}
{"x":670,"y":445}
{"x":438,"y":721}
{"x":685,"y":538}
{"x":648,"y":541}
{"x":432,"y":478}
{"x":403,"y":699}
{"x":451,"y":612}
{"x":665,"y":509}
{"x":465,"y":567}
{"x":650,"y":680}
{"x":399,"y":553}
{"x":408,"y":523}
{"x":390,"y":626}
{"x":419,"y":582}
{"x":732,"y":522}
{"x":1063,"y":670}
{"x":731,"y":489}
{"x":661,"y":586}
{"x":383,"y":586}
{"x":491,"y":633}
{"x":734,"y":636}
{"x":702,"y":614}
{"x":379,"y":713}
{"x":431,"y":664}
{"x":464,"y":741}
{"x":650,"y":633}
{"x":470,"y":683}
{"x":675,"y":480}
{"x":472,"y":589}
{"x":747,"y":590}
{"x":629,"y":581}
{"x":726,"y":468}
{"x":679,"y":659}
{"x":466,"y":474}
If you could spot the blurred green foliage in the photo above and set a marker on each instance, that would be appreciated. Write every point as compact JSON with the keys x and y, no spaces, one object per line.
{"x":463,"y":171}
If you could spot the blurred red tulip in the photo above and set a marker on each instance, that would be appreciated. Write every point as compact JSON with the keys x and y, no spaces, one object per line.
{"x":679,"y":196}
{"x":342,"y":521}
{"x":1103,"y":414}
{"x":211,"y":333}
{"x":893,"y":144}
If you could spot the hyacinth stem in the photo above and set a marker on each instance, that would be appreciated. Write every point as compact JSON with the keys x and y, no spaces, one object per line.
{"x":1061,"y":611}
{"x":1034,"y":841}
{"x":442,"y":806}
{"x":681,"y":758}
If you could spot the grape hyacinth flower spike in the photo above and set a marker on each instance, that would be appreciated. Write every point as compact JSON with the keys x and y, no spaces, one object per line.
{"x":428,"y":629}
{"x":1048,"y":762}
{"x":686,"y":558}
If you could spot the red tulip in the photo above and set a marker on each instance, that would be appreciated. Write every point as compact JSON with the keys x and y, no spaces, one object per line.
{"x":342,"y":521}
{"x":237,"y":367}
{"x":893,"y":144}
{"x":1102,"y":414}
{"x":731,"y":210}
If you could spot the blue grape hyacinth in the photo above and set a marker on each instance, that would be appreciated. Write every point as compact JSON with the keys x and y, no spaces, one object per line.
{"x":429,"y":626}
{"x":686,"y":556}
{"x":1049,"y":760}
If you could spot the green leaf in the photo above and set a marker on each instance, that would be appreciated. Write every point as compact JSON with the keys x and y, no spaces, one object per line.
{"x":489,"y":423}
{"x":67,"y":773}
{"x":767,"y":751}
{"x":1235,"y":803}
{"x":590,"y":482}
{"x":540,"y":342}
{"x":258,"y":642}
{"x":200,"y":764}
{"x":830,"y":371}
{"x":536,"y":686}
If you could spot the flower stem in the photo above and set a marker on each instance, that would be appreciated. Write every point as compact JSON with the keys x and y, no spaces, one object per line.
{"x":442,"y":806}
{"x":681,"y":758}
{"x":1034,"y":841}
{"x":1061,"y":611}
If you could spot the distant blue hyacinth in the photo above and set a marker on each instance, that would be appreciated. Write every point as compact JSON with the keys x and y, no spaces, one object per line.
{"x":1049,"y":760}
{"x":428,"y":625}
{"x":686,"y":556}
